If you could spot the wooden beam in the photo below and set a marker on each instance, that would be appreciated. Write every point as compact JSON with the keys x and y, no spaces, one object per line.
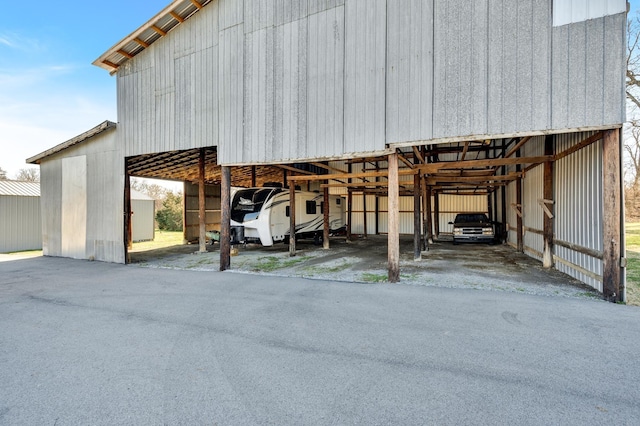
{"x":462,"y":179}
{"x":488,"y":162}
{"x":202,"y":212}
{"x":325,"y":214}
{"x":177,"y":17}
{"x":141,"y":42}
{"x":547,"y":190}
{"x":464,"y":151}
{"x":613,"y":287}
{"x":125,"y":54}
{"x":593,"y":138}
{"x":436,"y":214}
{"x":303,"y":172}
{"x":158,"y":30}
{"x":327,"y":167}
{"x":417,"y":252}
{"x":111,"y":64}
{"x":517,"y":146}
{"x":292,"y":220}
{"x":337,"y":176}
{"x":196,"y":4}
{"x":418,"y":155}
{"x":405,"y":161}
{"x":225,"y":220}
{"x":429,"y":232}
{"x":393,"y":236}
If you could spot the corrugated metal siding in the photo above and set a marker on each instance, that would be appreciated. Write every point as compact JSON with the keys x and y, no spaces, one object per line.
{"x":51,"y":189}
{"x":168,"y":94}
{"x":329,"y":77}
{"x":409,"y":93}
{"x":578,"y":196}
{"x":103,"y":201}
{"x":364,"y":91}
{"x":20,"y":227}
{"x":450,"y":205}
{"x":19,"y":189}
{"x":460,"y":67}
{"x":568,"y":11}
{"x":325,"y":79}
{"x":533,"y":215}
{"x":588,"y":73}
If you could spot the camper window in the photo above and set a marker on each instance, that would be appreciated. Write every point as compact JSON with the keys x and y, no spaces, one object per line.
{"x":311,"y":207}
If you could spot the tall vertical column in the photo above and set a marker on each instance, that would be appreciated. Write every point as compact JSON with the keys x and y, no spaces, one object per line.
{"x":417,"y":252}
{"x":225,"y":220}
{"x":436,"y":214}
{"x":393,"y":242}
{"x":292,"y":218}
{"x":364,"y":218}
{"x":202,"y":211}
{"x":613,"y":287}
{"x":325,"y":213}
{"x":519,"y":225}
{"x":128,"y":243}
{"x":547,"y":230}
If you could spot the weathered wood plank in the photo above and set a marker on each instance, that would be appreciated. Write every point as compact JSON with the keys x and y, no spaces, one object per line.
{"x":393,"y":242}
{"x":611,"y":209}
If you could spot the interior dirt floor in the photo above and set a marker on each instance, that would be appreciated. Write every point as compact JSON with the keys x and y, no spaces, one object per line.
{"x":364,"y":260}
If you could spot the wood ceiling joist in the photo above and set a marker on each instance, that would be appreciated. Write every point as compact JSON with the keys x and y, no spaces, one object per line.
{"x":488,"y":162}
{"x":141,"y":42}
{"x":158,"y":30}
{"x":196,"y":4}
{"x":177,"y":17}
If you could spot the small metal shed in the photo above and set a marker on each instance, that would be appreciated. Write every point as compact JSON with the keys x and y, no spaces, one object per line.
{"x":143,"y":217}
{"x":20,"y":220}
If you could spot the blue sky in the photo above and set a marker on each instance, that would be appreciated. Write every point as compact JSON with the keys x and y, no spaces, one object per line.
{"x":49,"y":91}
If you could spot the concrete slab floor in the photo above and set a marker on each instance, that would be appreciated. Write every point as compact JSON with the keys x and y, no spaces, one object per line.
{"x":364,"y":260}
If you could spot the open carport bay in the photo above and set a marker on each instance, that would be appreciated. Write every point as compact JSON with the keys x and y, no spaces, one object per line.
{"x":477,"y":266}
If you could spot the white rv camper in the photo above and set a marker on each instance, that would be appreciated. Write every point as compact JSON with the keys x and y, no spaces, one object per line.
{"x":262,"y":214}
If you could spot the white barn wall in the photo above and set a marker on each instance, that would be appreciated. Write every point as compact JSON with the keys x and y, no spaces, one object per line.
{"x":103,"y":207}
{"x":21,"y":224}
{"x":283,"y":80}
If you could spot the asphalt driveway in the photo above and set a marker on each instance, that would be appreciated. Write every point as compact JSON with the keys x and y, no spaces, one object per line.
{"x":93,"y":343}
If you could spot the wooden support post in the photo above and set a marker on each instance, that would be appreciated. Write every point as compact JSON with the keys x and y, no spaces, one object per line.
{"x":128,"y":240}
{"x":436,"y":215}
{"x":417,"y":252}
{"x":292,"y":219}
{"x":377,"y":204}
{"x":253,"y":176}
{"x":325,"y":233}
{"x":349,"y":213}
{"x":184,"y":214}
{"x":364,"y":208}
{"x":503,"y":197}
{"x":429,"y":233}
{"x":547,"y":254}
{"x":425,"y":232}
{"x":225,"y":220}
{"x":519,"y":227}
{"x":612,"y":285}
{"x":349,"y":206}
{"x":489,"y":207}
{"x":393,"y":241}
{"x":202,"y":211}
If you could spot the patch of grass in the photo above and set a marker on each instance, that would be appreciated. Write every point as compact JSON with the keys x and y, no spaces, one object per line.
{"x":311,"y":270}
{"x":374,"y":278}
{"x":161,"y":239}
{"x":204,"y":261}
{"x":632,"y":236}
{"x":271,"y":263}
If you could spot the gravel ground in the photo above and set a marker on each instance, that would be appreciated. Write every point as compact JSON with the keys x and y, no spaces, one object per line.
{"x":474,"y":266}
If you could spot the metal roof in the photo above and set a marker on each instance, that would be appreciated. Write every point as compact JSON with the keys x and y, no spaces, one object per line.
{"x":105,"y":125}
{"x":170,"y":17}
{"x":19,"y":189}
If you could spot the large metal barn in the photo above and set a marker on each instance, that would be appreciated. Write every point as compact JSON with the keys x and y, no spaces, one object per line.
{"x":413,"y":110}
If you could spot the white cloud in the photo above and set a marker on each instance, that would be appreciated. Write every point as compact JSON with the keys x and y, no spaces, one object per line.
{"x":20,"y":42}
